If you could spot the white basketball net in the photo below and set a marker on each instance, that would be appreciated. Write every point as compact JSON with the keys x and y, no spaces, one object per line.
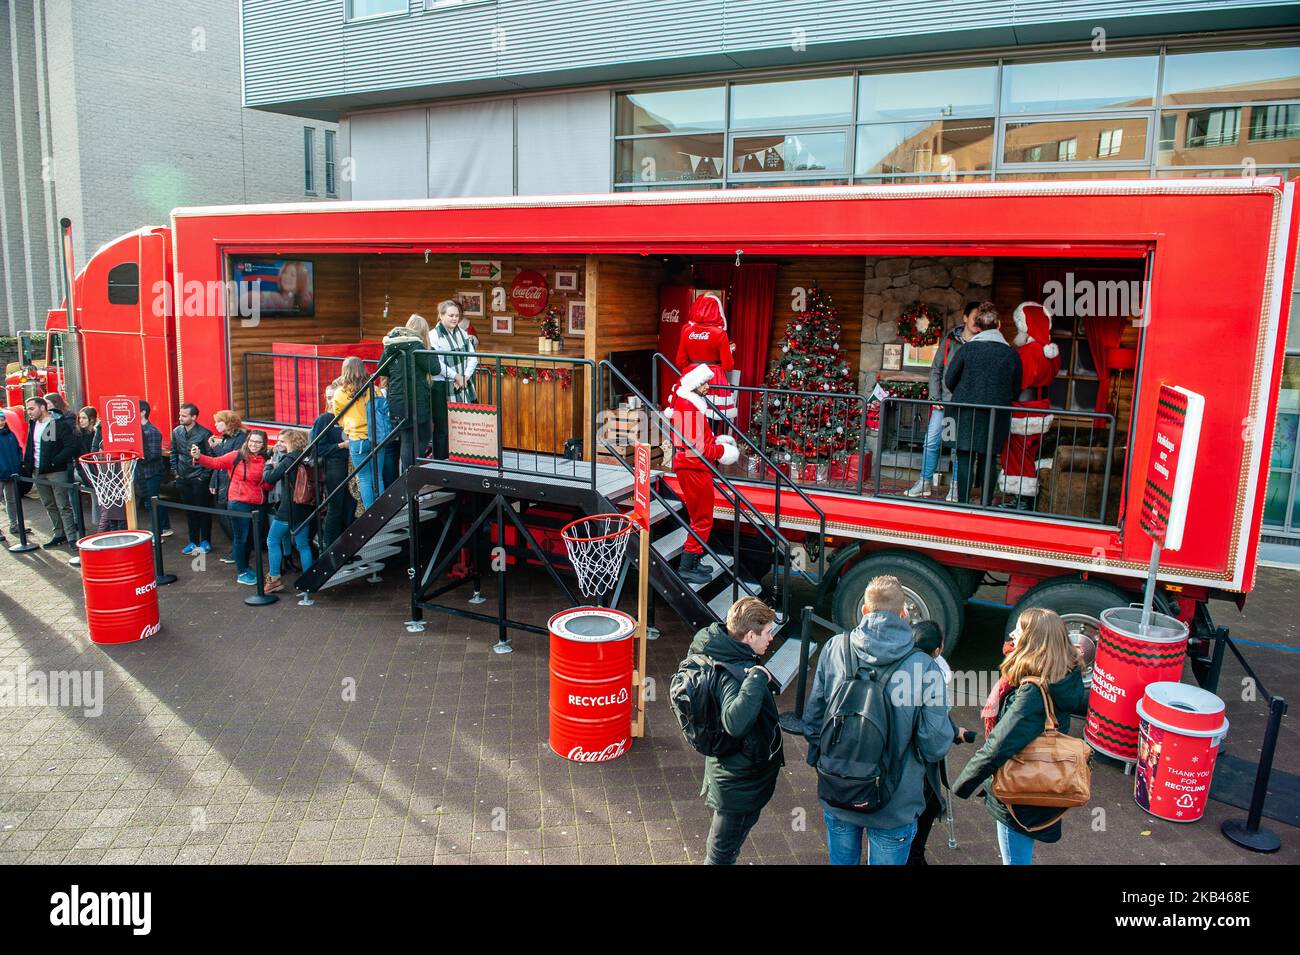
{"x":110,"y":474}
{"x":596,"y":545}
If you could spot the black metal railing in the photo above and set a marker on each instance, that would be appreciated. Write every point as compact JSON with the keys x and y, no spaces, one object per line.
{"x":286,"y":390}
{"x":1041,"y":461}
{"x":836,"y":456}
{"x":612,"y":385}
{"x":532,"y":434}
{"x":759,"y":464}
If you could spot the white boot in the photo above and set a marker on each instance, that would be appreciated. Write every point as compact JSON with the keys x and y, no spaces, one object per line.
{"x":920,"y":489}
{"x":952,"y":492}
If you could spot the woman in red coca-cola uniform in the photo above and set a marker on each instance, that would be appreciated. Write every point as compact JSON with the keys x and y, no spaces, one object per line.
{"x":694,"y":443}
{"x":704,"y":341}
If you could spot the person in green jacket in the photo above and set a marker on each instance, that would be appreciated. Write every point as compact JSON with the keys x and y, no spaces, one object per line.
{"x":1041,"y":650}
{"x":738,"y":786}
{"x":408,"y":385}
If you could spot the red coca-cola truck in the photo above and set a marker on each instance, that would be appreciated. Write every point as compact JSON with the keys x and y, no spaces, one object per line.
{"x":157,"y":317}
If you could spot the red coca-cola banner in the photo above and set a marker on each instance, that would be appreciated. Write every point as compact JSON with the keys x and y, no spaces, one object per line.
{"x":528,"y":293}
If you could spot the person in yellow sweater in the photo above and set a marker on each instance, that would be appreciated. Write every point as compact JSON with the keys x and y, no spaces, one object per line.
{"x":353,"y":422}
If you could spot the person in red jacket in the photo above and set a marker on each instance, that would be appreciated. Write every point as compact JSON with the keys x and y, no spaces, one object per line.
{"x":693,"y":444}
{"x":247,"y":493}
{"x":704,"y":341}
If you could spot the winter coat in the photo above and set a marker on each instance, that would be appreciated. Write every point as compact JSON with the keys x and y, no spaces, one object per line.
{"x":246,"y":484}
{"x":743,"y":781}
{"x":984,"y":371}
{"x":696,"y":439}
{"x":943,"y":356}
{"x":353,"y":420}
{"x":327,"y":450}
{"x":1021,"y":718}
{"x":182,"y":465}
{"x":283,"y":470}
{"x":919,"y":729}
{"x":59,"y":449}
{"x":11,"y":455}
{"x":220,"y":482}
{"x":400,"y":390}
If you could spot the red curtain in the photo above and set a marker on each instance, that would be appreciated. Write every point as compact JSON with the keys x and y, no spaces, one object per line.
{"x":751,"y":299}
{"x":1103,"y":335}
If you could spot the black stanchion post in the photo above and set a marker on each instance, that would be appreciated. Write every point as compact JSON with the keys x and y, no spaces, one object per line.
{"x":261,"y":598}
{"x":793,"y":722}
{"x":161,"y":577}
{"x":1250,"y":834}
{"x":24,"y":545}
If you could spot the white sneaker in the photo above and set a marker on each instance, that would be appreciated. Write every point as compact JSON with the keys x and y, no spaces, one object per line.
{"x":952,"y":494}
{"x":167,"y":532}
{"x":920,"y":489}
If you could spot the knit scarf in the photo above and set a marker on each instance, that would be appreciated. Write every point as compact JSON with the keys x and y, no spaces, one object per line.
{"x":454,"y":341}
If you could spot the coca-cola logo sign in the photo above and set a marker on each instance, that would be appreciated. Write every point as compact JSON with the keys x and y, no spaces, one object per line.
{"x":670,"y":316}
{"x":612,"y":751}
{"x":528,"y":293}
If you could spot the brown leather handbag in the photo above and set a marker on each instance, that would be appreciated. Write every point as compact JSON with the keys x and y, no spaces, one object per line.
{"x":1053,"y":770}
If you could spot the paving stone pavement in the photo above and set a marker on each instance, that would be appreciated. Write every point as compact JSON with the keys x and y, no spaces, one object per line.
{"x":228,"y":738}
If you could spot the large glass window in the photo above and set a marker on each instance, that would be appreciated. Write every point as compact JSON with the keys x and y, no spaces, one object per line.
{"x":823,"y":101}
{"x":308,"y":159}
{"x":1100,"y":139}
{"x":669,"y":159}
{"x":670,"y":111}
{"x":1232,"y":76}
{"x":790,"y":152}
{"x":330,"y":185}
{"x":927,"y":94}
{"x":1280,"y":121}
{"x":943,"y":146}
{"x":1067,"y":86}
{"x":360,"y":9}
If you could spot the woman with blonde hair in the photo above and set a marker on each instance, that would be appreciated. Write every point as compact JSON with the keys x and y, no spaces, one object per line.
{"x":409,"y":371}
{"x":289,"y":457}
{"x":332,"y":453}
{"x":1015,"y":715}
{"x":353,"y":421}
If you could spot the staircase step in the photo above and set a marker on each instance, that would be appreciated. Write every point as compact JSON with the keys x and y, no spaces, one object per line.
{"x":671,"y":544}
{"x":722,"y":600}
{"x":352,"y":571}
{"x":373,"y":552}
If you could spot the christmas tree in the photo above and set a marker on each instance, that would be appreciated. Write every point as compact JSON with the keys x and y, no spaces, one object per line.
{"x":802,"y":426}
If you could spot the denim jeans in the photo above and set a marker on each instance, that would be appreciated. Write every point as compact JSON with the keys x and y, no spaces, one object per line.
{"x":278,"y":545}
{"x":242,"y":529}
{"x":727,"y":834}
{"x":933,"y":443}
{"x":1017,"y":848}
{"x":884,"y":846}
{"x":366,"y":475}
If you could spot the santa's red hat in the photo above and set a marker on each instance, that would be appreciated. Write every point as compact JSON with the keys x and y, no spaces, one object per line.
{"x":707,"y":310}
{"x":692,"y":378}
{"x":1034,"y":324}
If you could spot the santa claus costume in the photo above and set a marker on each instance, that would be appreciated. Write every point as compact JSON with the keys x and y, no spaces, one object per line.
{"x":693,"y":444}
{"x":1040,"y":360}
{"x":704,"y":341}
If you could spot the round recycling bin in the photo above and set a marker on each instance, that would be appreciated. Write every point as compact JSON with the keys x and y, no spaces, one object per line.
{"x":117,"y":577}
{"x":1129,"y":658}
{"x":591,"y":684}
{"x":1178,"y":742}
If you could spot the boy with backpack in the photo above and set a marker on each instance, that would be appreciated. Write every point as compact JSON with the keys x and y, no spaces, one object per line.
{"x":876,"y":715}
{"x":723,"y":700}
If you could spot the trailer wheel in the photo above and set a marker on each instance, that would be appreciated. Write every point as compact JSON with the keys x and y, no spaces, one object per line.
{"x":931,"y":592}
{"x":1080,"y":604}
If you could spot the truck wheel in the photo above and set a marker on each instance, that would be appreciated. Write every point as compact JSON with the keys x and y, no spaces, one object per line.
{"x":1080,"y":604}
{"x":931,"y":593}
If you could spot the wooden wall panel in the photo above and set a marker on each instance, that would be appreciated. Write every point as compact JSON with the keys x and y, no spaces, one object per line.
{"x":416,"y":287}
{"x":627,"y":309}
{"x":841,"y":277}
{"x":336,"y":322}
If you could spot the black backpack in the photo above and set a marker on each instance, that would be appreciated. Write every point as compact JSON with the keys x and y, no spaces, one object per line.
{"x":854,"y":766}
{"x":694,"y":695}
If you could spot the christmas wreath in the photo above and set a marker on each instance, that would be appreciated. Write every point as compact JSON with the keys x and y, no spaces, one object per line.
{"x":920,"y":326}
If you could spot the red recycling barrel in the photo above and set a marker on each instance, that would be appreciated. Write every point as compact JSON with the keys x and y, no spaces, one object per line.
{"x":1178,"y":742}
{"x":591,"y":684}
{"x":1129,"y":659}
{"x":117,"y":576}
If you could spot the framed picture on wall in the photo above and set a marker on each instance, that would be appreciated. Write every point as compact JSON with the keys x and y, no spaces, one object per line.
{"x":566,"y":281}
{"x":471,"y":303}
{"x":893,"y":360}
{"x":577,"y":318}
{"x":918,"y":358}
{"x":503,"y":324}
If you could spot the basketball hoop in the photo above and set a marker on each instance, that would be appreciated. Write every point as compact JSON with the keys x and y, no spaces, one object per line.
{"x":596,"y":545}
{"x":110,"y":474}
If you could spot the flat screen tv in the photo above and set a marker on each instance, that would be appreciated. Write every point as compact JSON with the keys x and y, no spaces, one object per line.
{"x":286,"y":285}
